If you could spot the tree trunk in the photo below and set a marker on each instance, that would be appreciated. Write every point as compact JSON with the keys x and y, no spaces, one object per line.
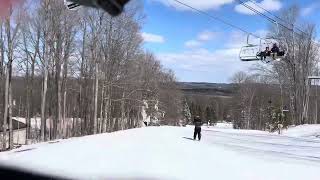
{"x":109,"y":115}
{"x":58,"y":125}
{"x":5,"y":115}
{"x":27,"y":104}
{"x":31,"y":109}
{"x":10,"y":108}
{"x":64,"y":121}
{"x":122,"y":123}
{"x":101,"y":121}
{"x":106,"y":109}
{"x":2,"y":50}
{"x":95,"y":111}
{"x":80,"y":108}
{"x":43,"y":104}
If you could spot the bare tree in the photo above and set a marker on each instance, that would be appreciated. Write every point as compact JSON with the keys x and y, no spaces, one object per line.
{"x":110,"y":70}
{"x":11,"y":31}
{"x":299,"y":63}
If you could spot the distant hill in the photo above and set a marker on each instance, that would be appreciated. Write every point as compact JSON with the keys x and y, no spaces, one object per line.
{"x":208,"y":89}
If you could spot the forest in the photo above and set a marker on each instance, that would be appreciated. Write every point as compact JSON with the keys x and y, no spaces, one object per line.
{"x":75,"y":73}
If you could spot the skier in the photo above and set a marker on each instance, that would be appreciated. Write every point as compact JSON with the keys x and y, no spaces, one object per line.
{"x":197,"y":127}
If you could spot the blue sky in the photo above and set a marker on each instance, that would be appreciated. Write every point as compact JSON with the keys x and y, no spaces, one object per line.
{"x":200,"y":49}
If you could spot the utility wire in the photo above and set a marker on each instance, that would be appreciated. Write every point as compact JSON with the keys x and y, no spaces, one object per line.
{"x":274,"y":21}
{"x":255,"y":3}
{"x":218,"y":19}
{"x":256,"y":11}
{"x":277,"y":17}
{"x":263,"y":15}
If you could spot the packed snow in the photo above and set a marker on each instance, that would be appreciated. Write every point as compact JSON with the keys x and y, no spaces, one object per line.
{"x":170,"y":153}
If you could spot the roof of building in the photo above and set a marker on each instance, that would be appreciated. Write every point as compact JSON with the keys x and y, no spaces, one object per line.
{"x":16,"y":125}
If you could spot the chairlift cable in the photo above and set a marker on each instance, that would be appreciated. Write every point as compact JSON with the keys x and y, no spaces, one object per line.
{"x":256,"y":11}
{"x":226,"y":23}
{"x":218,"y":19}
{"x":277,"y":17}
{"x":270,"y":13}
{"x":274,"y":21}
{"x":263,"y":15}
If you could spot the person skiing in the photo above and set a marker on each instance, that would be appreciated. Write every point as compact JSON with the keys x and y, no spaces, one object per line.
{"x":197,"y":128}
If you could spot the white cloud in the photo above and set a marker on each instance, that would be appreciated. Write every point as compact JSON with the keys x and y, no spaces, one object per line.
{"x":307,"y":10}
{"x":269,"y":5}
{"x":199,"y":4}
{"x":200,"y":64}
{"x":192,"y":43}
{"x":218,"y":65}
{"x":153,"y":38}
{"x":206,"y":36}
{"x":202,"y":37}
{"x":310,"y":9}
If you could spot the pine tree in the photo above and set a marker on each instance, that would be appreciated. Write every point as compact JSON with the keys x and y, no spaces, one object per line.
{"x":186,"y":112}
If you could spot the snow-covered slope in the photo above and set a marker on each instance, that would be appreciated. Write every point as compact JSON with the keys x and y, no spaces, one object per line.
{"x":170,"y":153}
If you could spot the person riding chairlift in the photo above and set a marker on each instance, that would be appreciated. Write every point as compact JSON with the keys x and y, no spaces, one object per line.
{"x":275,"y":51}
{"x":265,"y":53}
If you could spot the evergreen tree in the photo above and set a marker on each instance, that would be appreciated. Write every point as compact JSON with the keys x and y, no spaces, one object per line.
{"x":186,"y":113}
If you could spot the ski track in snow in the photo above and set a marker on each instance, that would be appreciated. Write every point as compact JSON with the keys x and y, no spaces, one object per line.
{"x":282,"y":146}
{"x":170,"y":153}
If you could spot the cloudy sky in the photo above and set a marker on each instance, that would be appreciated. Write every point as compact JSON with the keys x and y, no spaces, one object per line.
{"x":200,"y":49}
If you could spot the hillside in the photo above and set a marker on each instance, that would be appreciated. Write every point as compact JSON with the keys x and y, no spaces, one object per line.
{"x":207,"y":89}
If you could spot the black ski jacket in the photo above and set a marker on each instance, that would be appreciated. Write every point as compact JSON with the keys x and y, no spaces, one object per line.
{"x":197,"y":122}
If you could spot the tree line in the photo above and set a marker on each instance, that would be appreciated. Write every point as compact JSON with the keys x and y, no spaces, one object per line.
{"x":79,"y":72}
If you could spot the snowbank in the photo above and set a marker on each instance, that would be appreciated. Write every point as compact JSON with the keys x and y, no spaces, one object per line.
{"x":306,"y":130}
{"x":224,"y":125}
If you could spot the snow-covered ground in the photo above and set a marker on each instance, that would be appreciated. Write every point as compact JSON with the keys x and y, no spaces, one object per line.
{"x":170,"y":153}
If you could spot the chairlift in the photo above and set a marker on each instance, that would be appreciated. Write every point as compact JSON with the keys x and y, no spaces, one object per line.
{"x":250,"y":51}
{"x":71,"y":5}
{"x":270,"y":55}
{"x":258,"y":52}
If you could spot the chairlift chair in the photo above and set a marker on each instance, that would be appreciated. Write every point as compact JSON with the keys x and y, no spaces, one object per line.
{"x":71,"y":5}
{"x":283,"y":49}
{"x":255,"y":52}
{"x":252,"y":52}
{"x":249,"y":53}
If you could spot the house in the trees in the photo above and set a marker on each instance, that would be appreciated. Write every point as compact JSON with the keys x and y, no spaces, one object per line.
{"x":19,"y":133}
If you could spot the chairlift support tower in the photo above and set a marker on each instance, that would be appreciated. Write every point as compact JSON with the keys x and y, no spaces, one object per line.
{"x":315,"y":78}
